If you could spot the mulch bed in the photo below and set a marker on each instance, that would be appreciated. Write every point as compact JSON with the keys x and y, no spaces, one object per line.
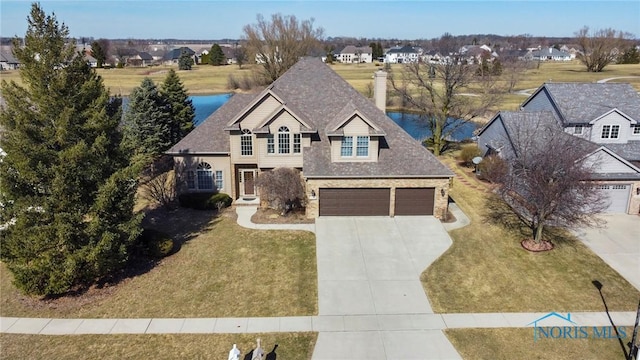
{"x":531,"y":245}
{"x":271,"y":216}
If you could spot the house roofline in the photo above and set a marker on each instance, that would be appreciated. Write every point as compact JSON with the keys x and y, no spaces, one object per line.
{"x":173,"y":153}
{"x":380,"y":176}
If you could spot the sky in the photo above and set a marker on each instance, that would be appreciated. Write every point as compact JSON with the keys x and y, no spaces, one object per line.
{"x":410,"y":20}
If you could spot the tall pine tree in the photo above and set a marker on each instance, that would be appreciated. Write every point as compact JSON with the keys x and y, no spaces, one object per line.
{"x":65,"y":185}
{"x":216,"y":56}
{"x":147,"y":121}
{"x":181,"y":110}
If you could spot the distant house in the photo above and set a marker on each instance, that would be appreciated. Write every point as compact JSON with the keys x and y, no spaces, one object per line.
{"x":141,"y":59}
{"x":354,"y":160}
{"x":548,"y":54}
{"x":605,"y":116}
{"x":157,"y":55}
{"x":172,"y":57}
{"x":8,"y":61}
{"x":93,"y":62}
{"x":404,"y":54}
{"x":354,"y":54}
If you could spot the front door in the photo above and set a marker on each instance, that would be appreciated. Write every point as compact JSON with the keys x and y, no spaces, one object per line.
{"x":248,"y":185}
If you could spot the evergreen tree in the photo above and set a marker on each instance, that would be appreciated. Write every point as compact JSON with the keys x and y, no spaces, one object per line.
{"x":65,"y":183}
{"x":185,"y":61}
{"x":216,"y":56}
{"x":98,"y":53}
{"x":181,"y":110}
{"x":630,"y":56}
{"x":147,"y":121}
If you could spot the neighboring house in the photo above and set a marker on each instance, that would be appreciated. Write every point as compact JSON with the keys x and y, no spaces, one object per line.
{"x":172,"y":57}
{"x":605,"y":115}
{"x":405,"y":54}
{"x":8,"y":61}
{"x":93,"y":62}
{"x":157,"y":55}
{"x":548,"y":54}
{"x":354,"y":54}
{"x":141,"y":59}
{"x":354,"y":159}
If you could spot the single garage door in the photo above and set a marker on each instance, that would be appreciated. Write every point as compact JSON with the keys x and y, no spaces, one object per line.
{"x":354,"y":202}
{"x":414,"y":201}
{"x":617,"y":196}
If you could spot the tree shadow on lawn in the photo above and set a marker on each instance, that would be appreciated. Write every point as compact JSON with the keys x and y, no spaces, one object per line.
{"x":181,"y":224}
{"x":497,"y":212}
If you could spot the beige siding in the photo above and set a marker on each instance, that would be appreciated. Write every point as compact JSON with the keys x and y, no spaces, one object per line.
{"x":236,"y":157}
{"x":441,"y":202}
{"x":284,"y":119}
{"x":259,"y":113}
{"x":280,"y":160}
{"x":217,"y":162}
{"x":356,"y":126}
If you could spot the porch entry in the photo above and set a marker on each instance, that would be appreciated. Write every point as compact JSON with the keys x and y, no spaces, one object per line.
{"x":248,"y":183}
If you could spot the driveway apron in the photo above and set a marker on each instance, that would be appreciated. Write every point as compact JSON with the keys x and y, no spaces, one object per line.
{"x":370,"y":267}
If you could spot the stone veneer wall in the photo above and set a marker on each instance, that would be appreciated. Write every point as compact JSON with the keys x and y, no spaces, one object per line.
{"x":440,"y":202}
{"x":634,"y":203}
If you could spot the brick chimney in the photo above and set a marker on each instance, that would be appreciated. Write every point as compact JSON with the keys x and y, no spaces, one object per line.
{"x":380,"y":89}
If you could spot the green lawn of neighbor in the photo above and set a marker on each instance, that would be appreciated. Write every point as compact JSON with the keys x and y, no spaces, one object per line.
{"x":486,"y":269}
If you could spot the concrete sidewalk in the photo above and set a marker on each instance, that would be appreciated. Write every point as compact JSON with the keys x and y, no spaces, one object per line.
{"x":332,"y":324}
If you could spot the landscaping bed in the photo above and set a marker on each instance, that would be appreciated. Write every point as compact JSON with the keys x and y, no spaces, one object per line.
{"x":271,"y":216}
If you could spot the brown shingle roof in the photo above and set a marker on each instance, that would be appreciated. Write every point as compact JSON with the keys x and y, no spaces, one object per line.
{"x":318,"y":95}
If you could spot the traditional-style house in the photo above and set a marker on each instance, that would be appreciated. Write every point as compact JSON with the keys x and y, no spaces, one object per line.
{"x":354,"y":159}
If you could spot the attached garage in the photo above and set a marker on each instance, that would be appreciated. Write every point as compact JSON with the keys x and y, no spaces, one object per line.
{"x":617,"y":196}
{"x":354,"y":202}
{"x":414,"y":201}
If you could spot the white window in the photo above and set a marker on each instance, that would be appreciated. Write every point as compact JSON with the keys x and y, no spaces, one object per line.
{"x":636,"y":129}
{"x":246,"y":143}
{"x":577,"y":130}
{"x":296,"y":143}
{"x":615,"y":131}
{"x":283,"y":140}
{"x":205,"y":176}
{"x":219,"y":180}
{"x":610,"y":131}
{"x":362,"y":144}
{"x":271,"y":148}
{"x":346,"y":149}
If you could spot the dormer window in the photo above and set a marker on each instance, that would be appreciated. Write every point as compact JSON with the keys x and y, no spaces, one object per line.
{"x":360,"y":148}
{"x":577,"y":130}
{"x":246,"y":143}
{"x":610,"y":131}
{"x":636,"y":129}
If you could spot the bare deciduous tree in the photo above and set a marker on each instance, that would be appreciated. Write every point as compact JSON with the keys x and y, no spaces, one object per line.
{"x":446,"y":95}
{"x":548,"y":180}
{"x":512,"y":72}
{"x":282,"y":188}
{"x":279,"y":43}
{"x":600,"y":48}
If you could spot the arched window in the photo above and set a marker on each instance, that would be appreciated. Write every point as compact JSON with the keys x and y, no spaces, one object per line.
{"x":284,"y":143}
{"x":205,"y":176}
{"x":246,"y":143}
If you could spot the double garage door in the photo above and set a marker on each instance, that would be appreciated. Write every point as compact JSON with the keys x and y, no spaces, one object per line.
{"x":376,"y":201}
{"x":616,"y":196}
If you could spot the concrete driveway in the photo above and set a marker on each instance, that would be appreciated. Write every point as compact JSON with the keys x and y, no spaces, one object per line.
{"x":369,"y":267}
{"x":618,"y":244}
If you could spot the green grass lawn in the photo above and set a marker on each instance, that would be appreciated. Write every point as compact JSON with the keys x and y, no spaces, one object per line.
{"x":507,"y":344}
{"x":486,"y":269}
{"x":221,"y":270}
{"x":291,"y":346}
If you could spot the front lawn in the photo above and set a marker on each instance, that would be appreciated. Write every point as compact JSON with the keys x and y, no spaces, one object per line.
{"x":503,"y":343}
{"x":221,"y":270}
{"x":486,"y":269}
{"x":291,"y":346}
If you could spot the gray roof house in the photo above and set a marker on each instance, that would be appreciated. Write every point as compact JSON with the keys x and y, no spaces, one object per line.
{"x":354,"y":159}
{"x":8,"y":61}
{"x":172,"y":57}
{"x":548,"y":54}
{"x":606,"y":116}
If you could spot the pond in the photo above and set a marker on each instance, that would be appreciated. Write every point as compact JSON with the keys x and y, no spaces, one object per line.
{"x":205,"y":105}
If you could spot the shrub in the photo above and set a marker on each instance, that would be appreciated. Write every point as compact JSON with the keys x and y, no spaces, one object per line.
{"x":232,"y":82}
{"x":282,"y":188}
{"x":468,"y":152}
{"x":204,"y":201}
{"x":493,"y":168}
{"x":155,"y":244}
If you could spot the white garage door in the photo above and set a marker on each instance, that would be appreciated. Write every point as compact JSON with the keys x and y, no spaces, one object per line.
{"x":617,"y":197}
